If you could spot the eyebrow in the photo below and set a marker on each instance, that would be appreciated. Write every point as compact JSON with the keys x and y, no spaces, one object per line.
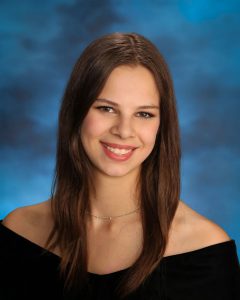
{"x":116,"y":104}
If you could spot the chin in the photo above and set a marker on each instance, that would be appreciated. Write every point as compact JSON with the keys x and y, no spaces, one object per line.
{"x":119,"y":171}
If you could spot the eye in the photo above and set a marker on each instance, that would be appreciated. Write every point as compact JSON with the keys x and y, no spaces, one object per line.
{"x":104,"y":108}
{"x":146,"y":115}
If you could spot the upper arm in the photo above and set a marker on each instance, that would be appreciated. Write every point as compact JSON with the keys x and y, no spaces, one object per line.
{"x":14,"y":220}
{"x":199,"y":230}
{"x":213,"y":233}
{"x":209,"y":233}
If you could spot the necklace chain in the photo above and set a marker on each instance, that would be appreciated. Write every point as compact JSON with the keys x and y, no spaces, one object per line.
{"x":110,"y":218}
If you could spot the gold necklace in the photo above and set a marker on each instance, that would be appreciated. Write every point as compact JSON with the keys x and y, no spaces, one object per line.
{"x":110,"y":218}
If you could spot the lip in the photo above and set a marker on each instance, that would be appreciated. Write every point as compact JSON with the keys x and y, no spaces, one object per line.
{"x":127,"y":147}
{"x":116,"y":157}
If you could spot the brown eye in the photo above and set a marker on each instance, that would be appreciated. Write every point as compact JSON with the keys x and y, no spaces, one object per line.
{"x":146,"y":115}
{"x":104,"y":108}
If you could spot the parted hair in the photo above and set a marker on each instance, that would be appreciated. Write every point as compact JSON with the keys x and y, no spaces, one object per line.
{"x":158,"y":185}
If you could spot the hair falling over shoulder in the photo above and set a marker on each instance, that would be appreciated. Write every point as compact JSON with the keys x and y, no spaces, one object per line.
{"x":159,"y":182}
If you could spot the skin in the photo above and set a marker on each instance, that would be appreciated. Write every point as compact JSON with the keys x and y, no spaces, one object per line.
{"x":129,"y":87}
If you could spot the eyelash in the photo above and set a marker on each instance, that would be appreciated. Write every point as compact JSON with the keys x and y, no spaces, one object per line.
{"x":104,"y":107}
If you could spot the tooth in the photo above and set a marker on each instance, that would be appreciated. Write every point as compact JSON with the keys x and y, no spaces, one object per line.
{"x":118,"y":151}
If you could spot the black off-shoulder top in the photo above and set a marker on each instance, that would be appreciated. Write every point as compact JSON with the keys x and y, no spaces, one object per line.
{"x":29,"y":272}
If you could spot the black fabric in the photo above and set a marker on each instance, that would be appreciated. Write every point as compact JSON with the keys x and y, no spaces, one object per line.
{"x":29,"y":272}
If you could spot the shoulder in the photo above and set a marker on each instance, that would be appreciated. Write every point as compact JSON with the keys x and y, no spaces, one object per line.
{"x":191,"y":231}
{"x":30,"y":221}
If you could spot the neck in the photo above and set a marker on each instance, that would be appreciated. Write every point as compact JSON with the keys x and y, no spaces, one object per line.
{"x":114,"y":196}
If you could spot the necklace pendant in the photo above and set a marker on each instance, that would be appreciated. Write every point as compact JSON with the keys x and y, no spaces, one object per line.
{"x":110,"y":219}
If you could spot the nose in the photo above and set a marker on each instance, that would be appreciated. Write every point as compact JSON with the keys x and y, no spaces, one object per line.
{"x":123,"y":128}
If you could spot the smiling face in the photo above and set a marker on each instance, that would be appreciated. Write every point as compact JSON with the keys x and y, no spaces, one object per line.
{"x":124,"y":123}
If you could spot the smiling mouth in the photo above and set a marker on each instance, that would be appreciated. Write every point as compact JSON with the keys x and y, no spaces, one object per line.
{"x":119,"y":147}
{"x":116,"y":154}
{"x":117,"y":150}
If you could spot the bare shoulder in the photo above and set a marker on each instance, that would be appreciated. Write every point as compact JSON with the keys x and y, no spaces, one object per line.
{"x":191,"y":231}
{"x":31,"y":221}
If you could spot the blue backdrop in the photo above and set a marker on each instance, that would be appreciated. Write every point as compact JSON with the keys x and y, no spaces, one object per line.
{"x":40,"y":42}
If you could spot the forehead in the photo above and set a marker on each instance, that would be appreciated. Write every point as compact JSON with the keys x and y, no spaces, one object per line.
{"x":131,"y":82}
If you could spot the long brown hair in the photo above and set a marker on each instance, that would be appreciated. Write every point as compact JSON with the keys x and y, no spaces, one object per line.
{"x":159,"y":179}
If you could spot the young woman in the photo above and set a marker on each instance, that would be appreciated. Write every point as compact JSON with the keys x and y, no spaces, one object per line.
{"x":114,"y":226}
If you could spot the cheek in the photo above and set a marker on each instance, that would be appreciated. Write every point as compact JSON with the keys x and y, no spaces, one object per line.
{"x":149,"y":134}
{"x":92,"y":126}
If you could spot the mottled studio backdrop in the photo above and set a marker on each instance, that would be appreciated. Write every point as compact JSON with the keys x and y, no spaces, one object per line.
{"x":39,"y":44}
